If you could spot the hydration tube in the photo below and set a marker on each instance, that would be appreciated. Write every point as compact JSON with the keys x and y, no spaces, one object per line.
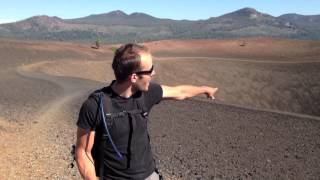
{"x":119,"y":155}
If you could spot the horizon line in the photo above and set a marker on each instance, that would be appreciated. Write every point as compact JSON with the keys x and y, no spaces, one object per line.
{"x":11,"y":20}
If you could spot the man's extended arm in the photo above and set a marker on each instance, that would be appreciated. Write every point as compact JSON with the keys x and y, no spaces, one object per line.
{"x":85,"y":140}
{"x":186,"y":91}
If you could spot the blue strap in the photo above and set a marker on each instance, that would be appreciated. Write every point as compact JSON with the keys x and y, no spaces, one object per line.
{"x":120,"y":156}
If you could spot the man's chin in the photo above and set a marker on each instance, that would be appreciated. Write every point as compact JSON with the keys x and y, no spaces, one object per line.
{"x":145,"y":89}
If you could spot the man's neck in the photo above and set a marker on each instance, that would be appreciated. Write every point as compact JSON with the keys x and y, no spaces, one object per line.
{"x":124,"y":89}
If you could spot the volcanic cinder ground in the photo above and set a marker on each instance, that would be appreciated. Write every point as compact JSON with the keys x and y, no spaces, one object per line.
{"x":264,"y":123}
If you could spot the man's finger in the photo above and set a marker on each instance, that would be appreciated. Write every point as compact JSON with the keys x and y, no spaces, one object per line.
{"x":211,"y":97}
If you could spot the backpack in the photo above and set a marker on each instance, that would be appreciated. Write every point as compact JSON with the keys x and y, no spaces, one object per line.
{"x":106,"y":113}
{"x":98,"y":147}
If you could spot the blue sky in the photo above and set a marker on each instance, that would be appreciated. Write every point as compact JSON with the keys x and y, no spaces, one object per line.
{"x":14,"y":10}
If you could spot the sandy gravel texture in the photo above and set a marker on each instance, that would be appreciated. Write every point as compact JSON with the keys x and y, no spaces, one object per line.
{"x":291,"y":86}
{"x":43,"y":84}
{"x":255,"y":48}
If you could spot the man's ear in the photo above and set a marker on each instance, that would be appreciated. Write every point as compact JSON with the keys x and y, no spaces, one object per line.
{"x":133,"y":77}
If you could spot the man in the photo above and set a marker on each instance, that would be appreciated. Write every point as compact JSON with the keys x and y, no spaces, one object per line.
{"x":127,"y":153}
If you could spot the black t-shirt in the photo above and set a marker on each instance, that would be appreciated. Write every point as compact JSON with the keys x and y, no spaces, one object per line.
{"x":89,"y":116}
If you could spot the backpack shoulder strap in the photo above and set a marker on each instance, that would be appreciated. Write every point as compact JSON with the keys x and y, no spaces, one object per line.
{"x":104,"y":105}
{"x":107,"y":103}
{"x":103,"y":141}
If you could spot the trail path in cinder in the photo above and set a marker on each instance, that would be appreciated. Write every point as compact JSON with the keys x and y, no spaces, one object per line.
{"x":41,"y":149}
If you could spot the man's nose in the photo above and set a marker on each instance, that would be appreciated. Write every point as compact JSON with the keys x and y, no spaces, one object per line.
{"x":153,"y":73}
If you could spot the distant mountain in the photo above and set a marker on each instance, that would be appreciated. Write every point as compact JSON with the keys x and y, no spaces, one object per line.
{"x":117,"y":26}
{"x":302,"y":21}
{"x":310,"y":24}
{"x":249,"y":22}
{"x":119,"y":18}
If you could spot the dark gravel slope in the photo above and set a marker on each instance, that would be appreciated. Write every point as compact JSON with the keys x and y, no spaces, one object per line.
{"x":199,"y":140}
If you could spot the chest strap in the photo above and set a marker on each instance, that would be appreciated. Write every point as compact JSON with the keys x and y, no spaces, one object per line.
{"x":126,"y":113}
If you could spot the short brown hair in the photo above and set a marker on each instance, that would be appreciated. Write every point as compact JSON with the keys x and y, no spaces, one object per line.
{"x":127,"y":60}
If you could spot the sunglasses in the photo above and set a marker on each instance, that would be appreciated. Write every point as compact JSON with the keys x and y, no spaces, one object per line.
{"x":148,"y":72}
